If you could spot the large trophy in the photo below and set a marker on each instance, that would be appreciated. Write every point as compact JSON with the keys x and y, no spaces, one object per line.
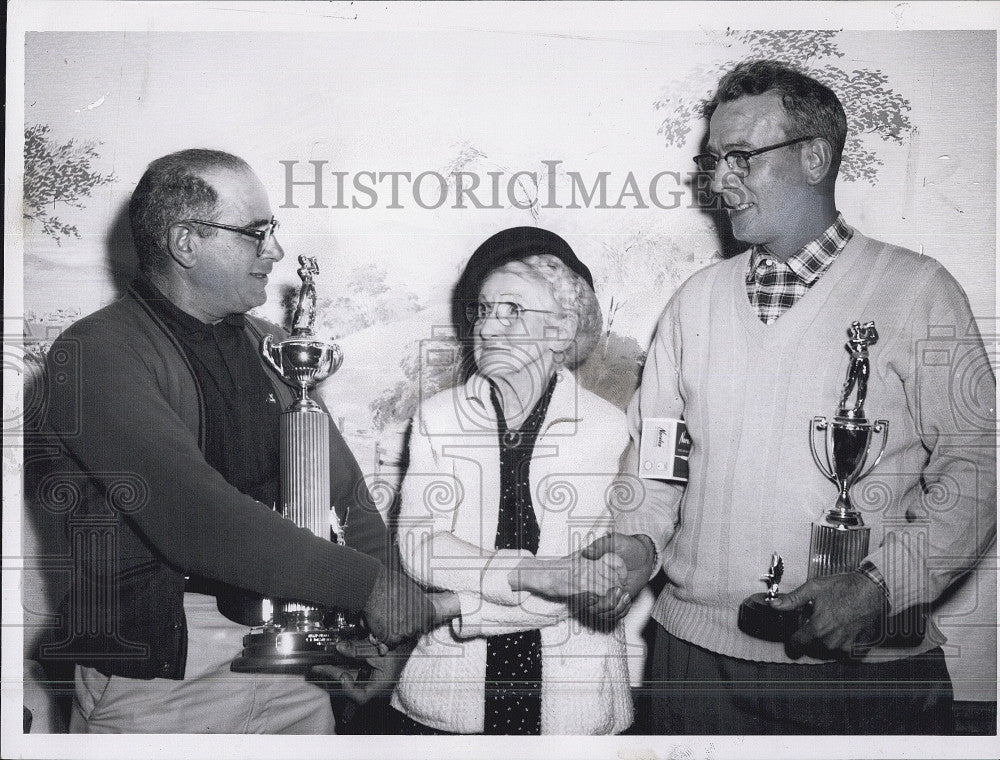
{"x":839,"y":540}
{"x":298,"y":636}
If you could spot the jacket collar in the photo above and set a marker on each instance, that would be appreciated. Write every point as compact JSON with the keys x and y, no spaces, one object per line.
{"x":563,"y":408}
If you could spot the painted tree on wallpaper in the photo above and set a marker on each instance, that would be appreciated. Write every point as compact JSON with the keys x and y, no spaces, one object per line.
{"x":429,"y":366}
{"x":524,"y":190}
{"x":873,"y":106}
{"x":640,"y":261}
{"x":58,"y":172}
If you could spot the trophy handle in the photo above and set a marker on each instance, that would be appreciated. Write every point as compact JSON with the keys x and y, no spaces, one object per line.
{"x":817,"y":424}
{"x":269,"y":352}
{"x":880,"y":426}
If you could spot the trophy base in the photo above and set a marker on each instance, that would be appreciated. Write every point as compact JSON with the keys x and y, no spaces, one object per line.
{"x":277,"y":651}
{"x":762,"y":621}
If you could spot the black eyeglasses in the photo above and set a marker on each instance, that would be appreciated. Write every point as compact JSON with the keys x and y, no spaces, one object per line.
{"x":506,"y":312}
{"x":262,"y":236}
{"x":739,"y":160}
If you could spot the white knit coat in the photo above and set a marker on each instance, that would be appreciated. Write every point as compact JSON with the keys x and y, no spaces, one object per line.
{"x":447,"y":528}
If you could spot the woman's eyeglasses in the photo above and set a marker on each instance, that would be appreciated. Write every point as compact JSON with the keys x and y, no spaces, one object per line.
{"x":505,"y":312}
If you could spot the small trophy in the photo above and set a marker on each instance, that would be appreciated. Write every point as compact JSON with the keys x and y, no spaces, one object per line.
{"x":762,"y":621}
{"x":840,"y":538}
{"x":298,"y":636}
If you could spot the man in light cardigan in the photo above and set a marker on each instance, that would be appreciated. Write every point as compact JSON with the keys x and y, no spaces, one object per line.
{"x":747,"y":352}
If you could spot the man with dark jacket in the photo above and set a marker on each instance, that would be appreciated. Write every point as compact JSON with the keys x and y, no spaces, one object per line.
{"x":168,"y":422}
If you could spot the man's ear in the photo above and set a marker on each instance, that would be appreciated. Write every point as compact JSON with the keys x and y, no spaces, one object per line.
{"x":182,"y":242}
{"x":817,"y":158}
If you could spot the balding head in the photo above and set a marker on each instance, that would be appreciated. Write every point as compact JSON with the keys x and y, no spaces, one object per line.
{"x":174,"y":188}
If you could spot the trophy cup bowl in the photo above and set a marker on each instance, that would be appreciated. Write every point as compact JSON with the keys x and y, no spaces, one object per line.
{"x":303,"y":362}
{"x":839,"y":540}
{"x":847,"y":446}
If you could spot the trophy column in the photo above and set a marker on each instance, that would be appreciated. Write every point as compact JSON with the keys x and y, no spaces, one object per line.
{"x":305,"y":469}
{"x":305,"y":476}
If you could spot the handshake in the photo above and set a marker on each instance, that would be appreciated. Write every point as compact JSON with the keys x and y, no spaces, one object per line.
{"x":599,"y":582}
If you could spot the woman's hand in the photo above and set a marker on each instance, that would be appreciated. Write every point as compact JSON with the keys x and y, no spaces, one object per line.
{"x":571,"y":578}
{"x":639,"y":556}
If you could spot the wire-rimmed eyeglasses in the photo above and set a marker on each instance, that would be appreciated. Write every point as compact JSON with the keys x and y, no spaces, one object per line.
{"x":739,"y":160}
{"x":263,"y":235}
{"x":506,"y":312}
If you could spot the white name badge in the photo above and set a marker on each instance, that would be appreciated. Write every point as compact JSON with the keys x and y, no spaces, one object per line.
{"x":664,"y":448}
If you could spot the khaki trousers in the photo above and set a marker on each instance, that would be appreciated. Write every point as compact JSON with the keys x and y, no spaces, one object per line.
{"x":210,"y":698}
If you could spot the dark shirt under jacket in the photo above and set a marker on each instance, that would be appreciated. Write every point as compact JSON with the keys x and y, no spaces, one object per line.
{"x":242,"y":417}
{"x":241,"y":420}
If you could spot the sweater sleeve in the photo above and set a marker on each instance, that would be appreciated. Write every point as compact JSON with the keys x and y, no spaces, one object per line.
{"x":481,"y":618}
{"x":651,"y":507}
{"x":114,"y":420}
{"x":950,"y":392}
{"x":433,"y":497}
{"x":590,"y":519}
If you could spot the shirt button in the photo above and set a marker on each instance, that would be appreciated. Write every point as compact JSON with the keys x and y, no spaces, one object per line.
{"x":768,"y":263}
{"x":165,"y":668}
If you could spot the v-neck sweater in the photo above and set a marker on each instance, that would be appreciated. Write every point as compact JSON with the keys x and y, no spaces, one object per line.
{"x":748,"y":392}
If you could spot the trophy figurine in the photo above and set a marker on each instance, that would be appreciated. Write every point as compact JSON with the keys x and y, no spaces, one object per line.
{"x":840,"y":538}
{"x":762,"y":621}
{"x":298,"y":636}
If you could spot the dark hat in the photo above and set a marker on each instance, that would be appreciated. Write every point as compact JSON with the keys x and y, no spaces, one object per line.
{"x":517,"y":243}
{"x":508,"y":245}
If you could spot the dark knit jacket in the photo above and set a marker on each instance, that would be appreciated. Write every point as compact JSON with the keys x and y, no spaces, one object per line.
{"x":142,"y":508}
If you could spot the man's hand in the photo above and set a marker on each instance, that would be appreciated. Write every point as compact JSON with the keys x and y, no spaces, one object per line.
{"x":848,"y":610}
{"x":639,"y":555}
{"x":375,"y":674}
{"x":398,"y":609}
{"x":570,"y":578}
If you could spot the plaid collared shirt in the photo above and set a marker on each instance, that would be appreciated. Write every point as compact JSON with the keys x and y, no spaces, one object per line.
{"x":774,"y":287}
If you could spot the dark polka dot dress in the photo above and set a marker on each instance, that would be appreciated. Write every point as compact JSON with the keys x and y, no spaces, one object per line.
{"x":514,"y":660}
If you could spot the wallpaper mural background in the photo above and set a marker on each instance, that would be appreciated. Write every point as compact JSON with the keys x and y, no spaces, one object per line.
{"x":564,"y":132}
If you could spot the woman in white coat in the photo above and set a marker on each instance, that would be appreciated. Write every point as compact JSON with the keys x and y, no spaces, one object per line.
{"x":509,"y":477}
